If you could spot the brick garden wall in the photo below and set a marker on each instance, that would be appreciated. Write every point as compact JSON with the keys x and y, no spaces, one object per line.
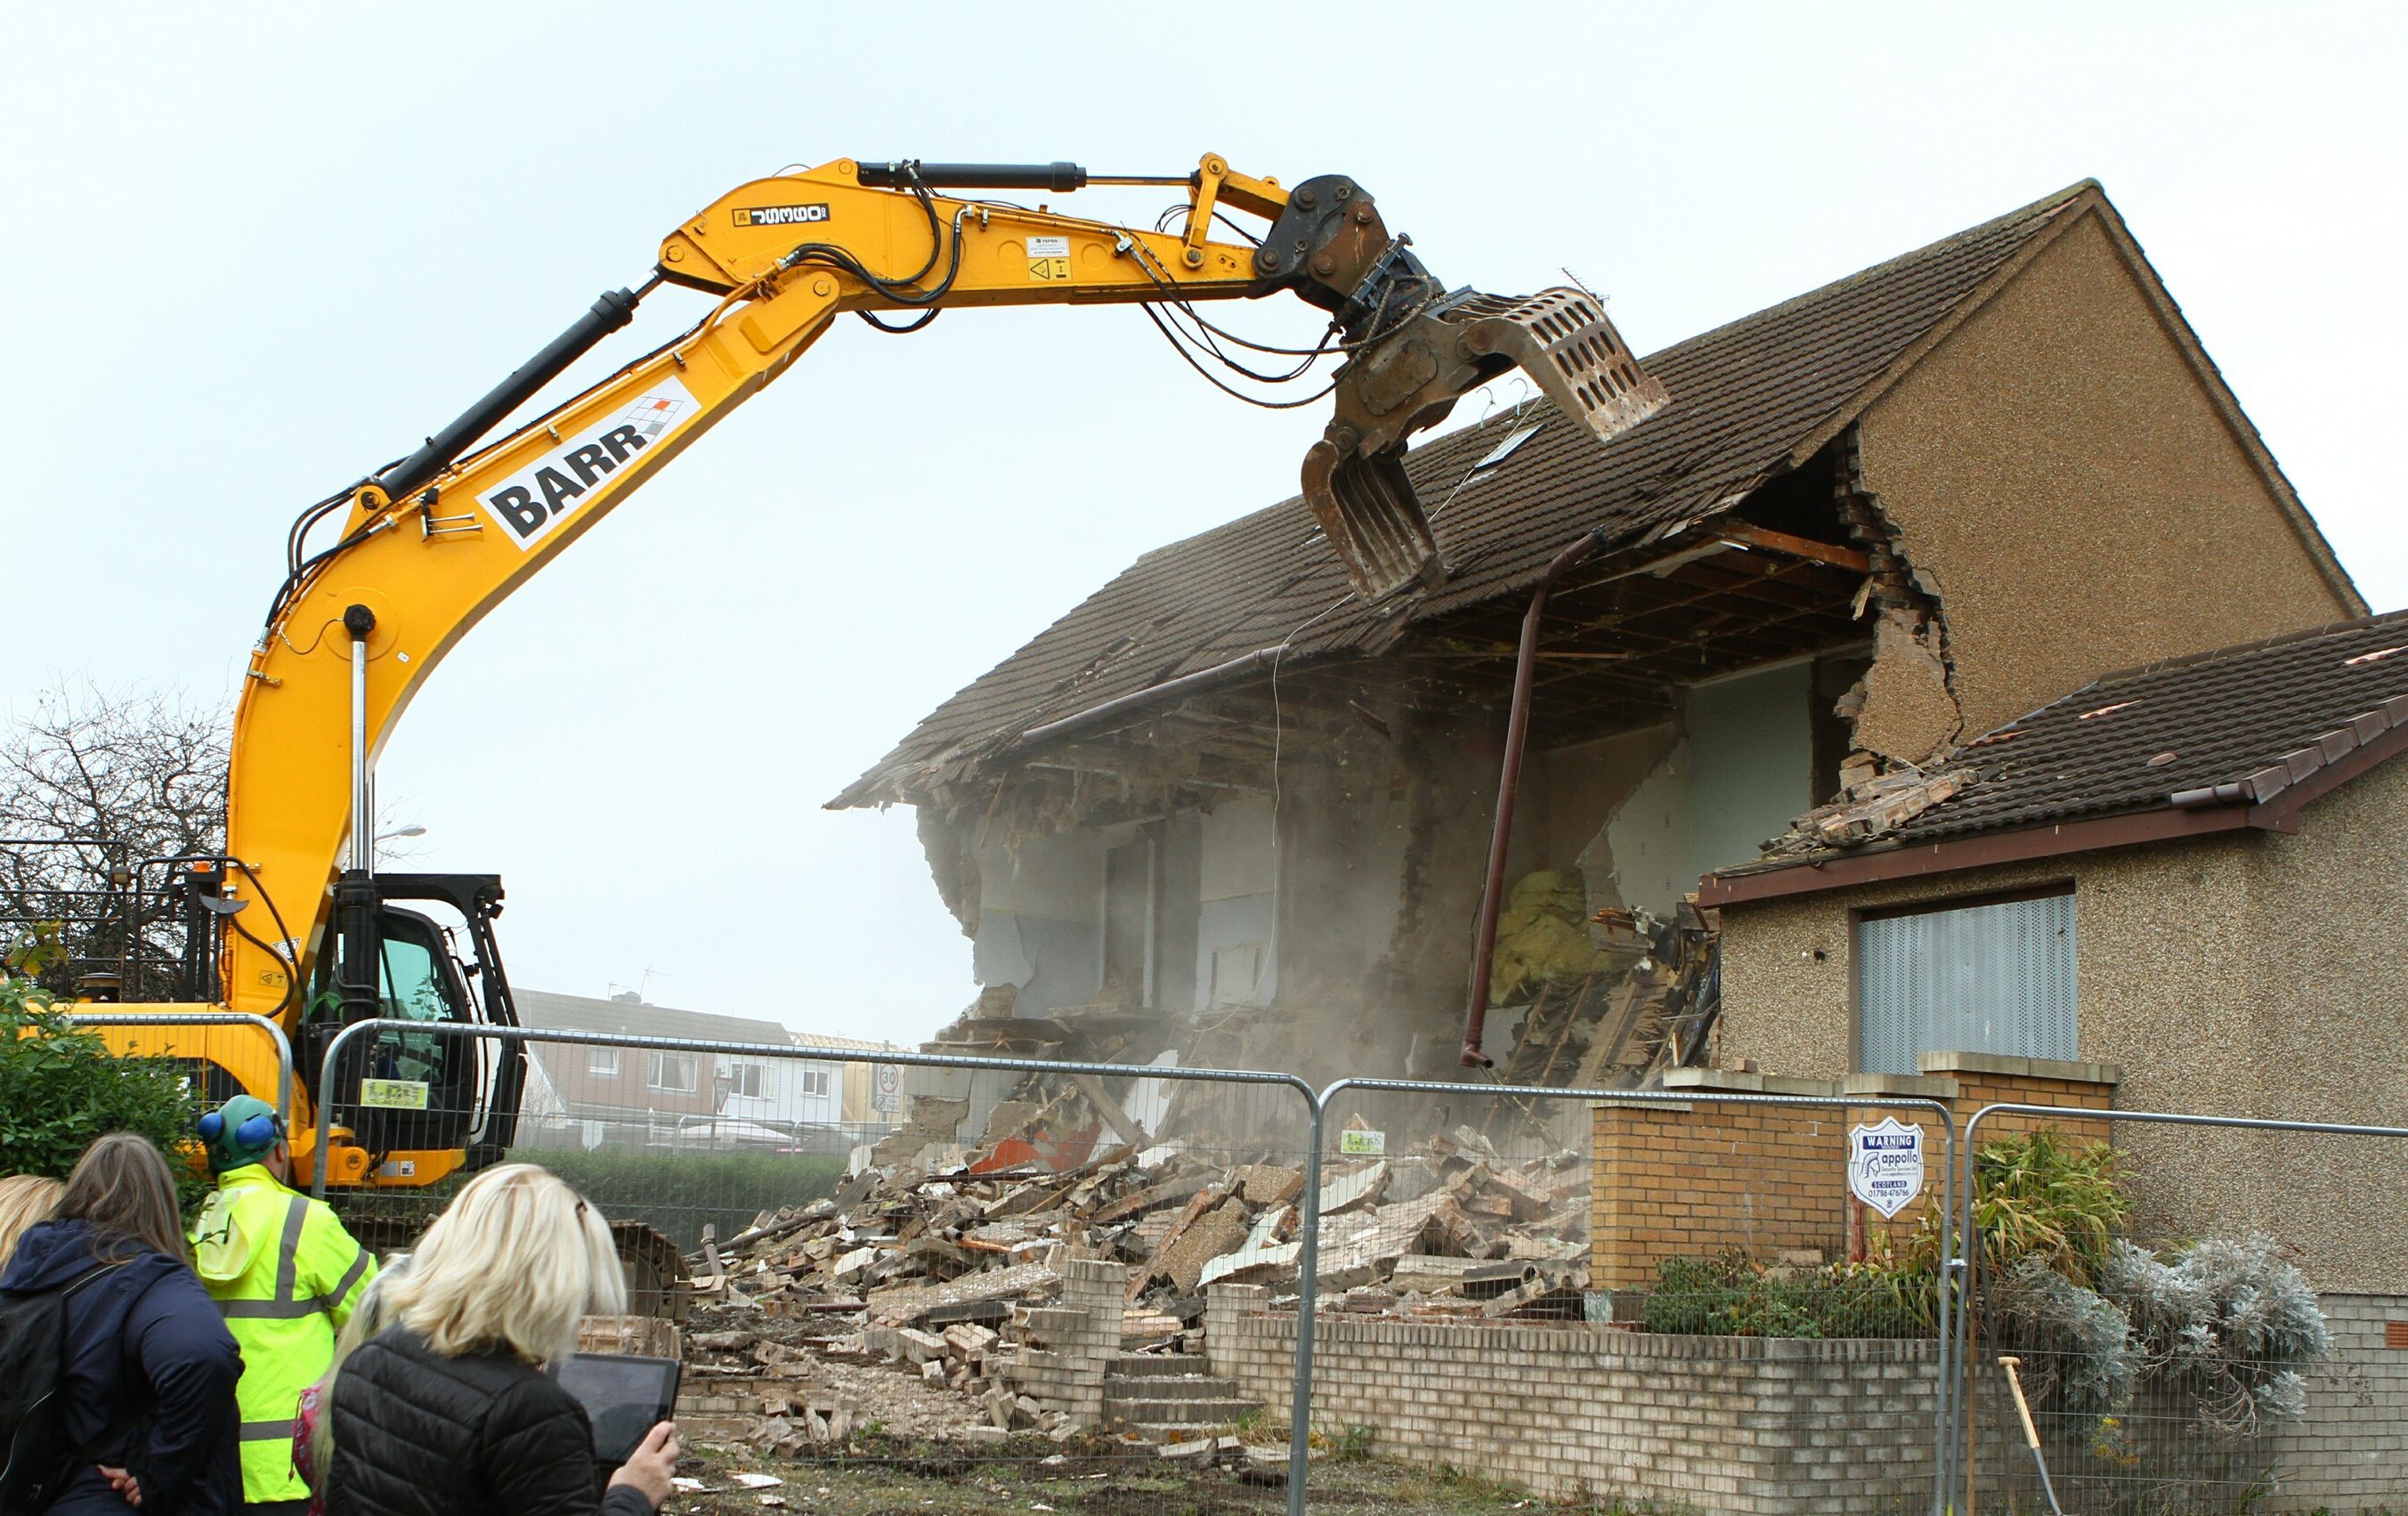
{"x":2351,"y":1453}
{"x":1695,"y":1180}
{"x":1747,"y":1425}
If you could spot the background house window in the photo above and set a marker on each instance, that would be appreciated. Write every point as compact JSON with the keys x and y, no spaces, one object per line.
{"x":603,"y":1063}
{"x":673,"y":1072}
{"x":744,"y":1080}
{"x":1996,"y":977}
{"x":815,"y":1083}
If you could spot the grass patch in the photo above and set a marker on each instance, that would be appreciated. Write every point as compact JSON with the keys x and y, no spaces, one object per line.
{"x":676,"y":1193}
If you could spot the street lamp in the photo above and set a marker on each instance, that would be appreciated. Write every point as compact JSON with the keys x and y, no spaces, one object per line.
{"x":411,"y":830}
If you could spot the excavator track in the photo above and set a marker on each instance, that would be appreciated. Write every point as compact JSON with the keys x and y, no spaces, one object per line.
{"x":655,"y":1273}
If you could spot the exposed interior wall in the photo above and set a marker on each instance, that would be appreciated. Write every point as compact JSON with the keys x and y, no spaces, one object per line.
{"x":1446,"y":774}
{"x":2240,"y":974}
{"x":1345,"y":828}
{"x":1041,"y":919}
{"x":2073,"y":497}
{"x":1741,"y":767}
{"x":1569,"y":793}
{"x":1751,"y":764}
{"x":1236,"y":925}
{"x":1179,"y":895}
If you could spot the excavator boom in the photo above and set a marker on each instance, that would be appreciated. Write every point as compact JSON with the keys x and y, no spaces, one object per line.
{"x":431,"y":543}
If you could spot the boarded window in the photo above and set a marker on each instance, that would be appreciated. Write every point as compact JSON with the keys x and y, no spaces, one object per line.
{"x":1996,"y":978}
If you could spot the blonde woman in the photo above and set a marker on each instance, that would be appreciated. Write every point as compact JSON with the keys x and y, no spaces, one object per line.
{"x":447,"y":1411}
{"x":25,"y":1200}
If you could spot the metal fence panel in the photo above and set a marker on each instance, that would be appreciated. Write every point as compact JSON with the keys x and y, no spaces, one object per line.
{"x":2222,"y":1347}
{"x":225,"y":1052}
{"x":918,"y":1309}
{"x":1618,"y":1299}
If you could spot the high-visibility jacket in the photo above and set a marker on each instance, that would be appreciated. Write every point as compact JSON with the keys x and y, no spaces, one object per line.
{"x":285,"y":1275}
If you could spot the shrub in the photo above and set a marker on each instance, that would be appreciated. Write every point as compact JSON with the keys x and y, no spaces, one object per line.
{"x":2230,"y":1322}
{"x":2224,"y":1326}
{"x":2038,"y":1195}
{"x":2076,"y":1346}
{"x":61,"y":1087}
{"x":1731,"y":1295}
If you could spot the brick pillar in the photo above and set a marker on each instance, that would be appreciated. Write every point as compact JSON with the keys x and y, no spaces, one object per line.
{"x":1099,"y":1291}
{"x":1224,"y":1303}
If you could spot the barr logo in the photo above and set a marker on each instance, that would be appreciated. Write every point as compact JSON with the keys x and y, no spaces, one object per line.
{"x":781,"y":214}
{"x":536,"y":498}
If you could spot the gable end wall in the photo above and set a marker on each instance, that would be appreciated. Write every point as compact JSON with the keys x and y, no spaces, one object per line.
{"x":2057,"y":472}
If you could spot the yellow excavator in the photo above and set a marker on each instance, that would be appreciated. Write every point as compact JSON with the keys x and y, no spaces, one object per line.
{"x":293,"y":922}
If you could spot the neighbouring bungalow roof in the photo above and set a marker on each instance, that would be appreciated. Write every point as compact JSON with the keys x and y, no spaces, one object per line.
{"x":1750,"y":400}
{"x":550,"y":1012}
{"x":2239,"y":736}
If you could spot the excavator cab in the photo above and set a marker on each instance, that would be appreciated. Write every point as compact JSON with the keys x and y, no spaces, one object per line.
{"x":407,"y":1092}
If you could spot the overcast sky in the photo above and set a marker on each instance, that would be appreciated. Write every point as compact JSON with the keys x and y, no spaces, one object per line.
{"x":253,"y":253}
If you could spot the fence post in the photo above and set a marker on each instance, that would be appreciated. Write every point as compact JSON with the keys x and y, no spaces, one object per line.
{"x":1307,"y":1283}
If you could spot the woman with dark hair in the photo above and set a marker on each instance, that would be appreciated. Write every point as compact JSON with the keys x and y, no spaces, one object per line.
{"x":150,"y":1420}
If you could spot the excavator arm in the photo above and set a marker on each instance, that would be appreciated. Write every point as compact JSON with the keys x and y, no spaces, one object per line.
{"x":430,"y":544}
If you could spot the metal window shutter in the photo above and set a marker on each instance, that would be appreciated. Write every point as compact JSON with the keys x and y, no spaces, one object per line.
{"x":1983,"y":978}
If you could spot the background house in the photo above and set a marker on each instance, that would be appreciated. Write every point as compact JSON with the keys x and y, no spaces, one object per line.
{"x":1224,"y":806}
{"x":623,"y":1094}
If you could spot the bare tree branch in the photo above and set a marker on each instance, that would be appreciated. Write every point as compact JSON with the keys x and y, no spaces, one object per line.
{"x":92,"y":784}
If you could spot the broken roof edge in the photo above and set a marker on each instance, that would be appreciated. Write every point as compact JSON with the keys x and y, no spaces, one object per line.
{"x":2167,"y":820}
{"x":2268,"y":795}
{"x":877,"y":786}
{"x":884,"y":783}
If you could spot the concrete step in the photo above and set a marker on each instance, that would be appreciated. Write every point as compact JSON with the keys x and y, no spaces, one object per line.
{"x":1160,"y":1387}
{"x":1156,"y":1414}
{"x":1172,"y":1363}
{"x":1177,"y":1430}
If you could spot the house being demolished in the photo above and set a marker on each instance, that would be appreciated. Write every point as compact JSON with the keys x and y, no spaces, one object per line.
{"x":1224,"y":810}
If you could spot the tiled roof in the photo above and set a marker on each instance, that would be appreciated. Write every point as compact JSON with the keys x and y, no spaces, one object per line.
{"x":550,"y":1012}
{"x":845,"y":1044}
{"x":2257,"y":718}
{"x":1747,"y":398}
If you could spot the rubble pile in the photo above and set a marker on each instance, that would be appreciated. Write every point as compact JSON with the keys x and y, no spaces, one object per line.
{"x":920,"y":1251}
{"x":1872,"y":803}
{"x":952,"y":1272}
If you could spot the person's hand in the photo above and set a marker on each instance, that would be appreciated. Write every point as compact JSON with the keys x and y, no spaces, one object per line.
{"x":127,"y":1485}
{"x":647,"y":1469}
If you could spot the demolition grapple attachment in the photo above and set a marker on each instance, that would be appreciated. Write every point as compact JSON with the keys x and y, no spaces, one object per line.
{"x":1414,"y":349}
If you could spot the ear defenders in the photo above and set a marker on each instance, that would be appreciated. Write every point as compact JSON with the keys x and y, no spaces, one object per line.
{"x":253,"y":1134}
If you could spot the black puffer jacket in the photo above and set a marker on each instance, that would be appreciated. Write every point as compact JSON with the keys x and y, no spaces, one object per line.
{"x":419,"y":1435}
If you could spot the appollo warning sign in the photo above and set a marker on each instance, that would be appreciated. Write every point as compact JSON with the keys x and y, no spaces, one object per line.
{"x":1886,"y":1164}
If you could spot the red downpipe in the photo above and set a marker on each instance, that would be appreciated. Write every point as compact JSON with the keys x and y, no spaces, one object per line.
{"x":1509,"y":785}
